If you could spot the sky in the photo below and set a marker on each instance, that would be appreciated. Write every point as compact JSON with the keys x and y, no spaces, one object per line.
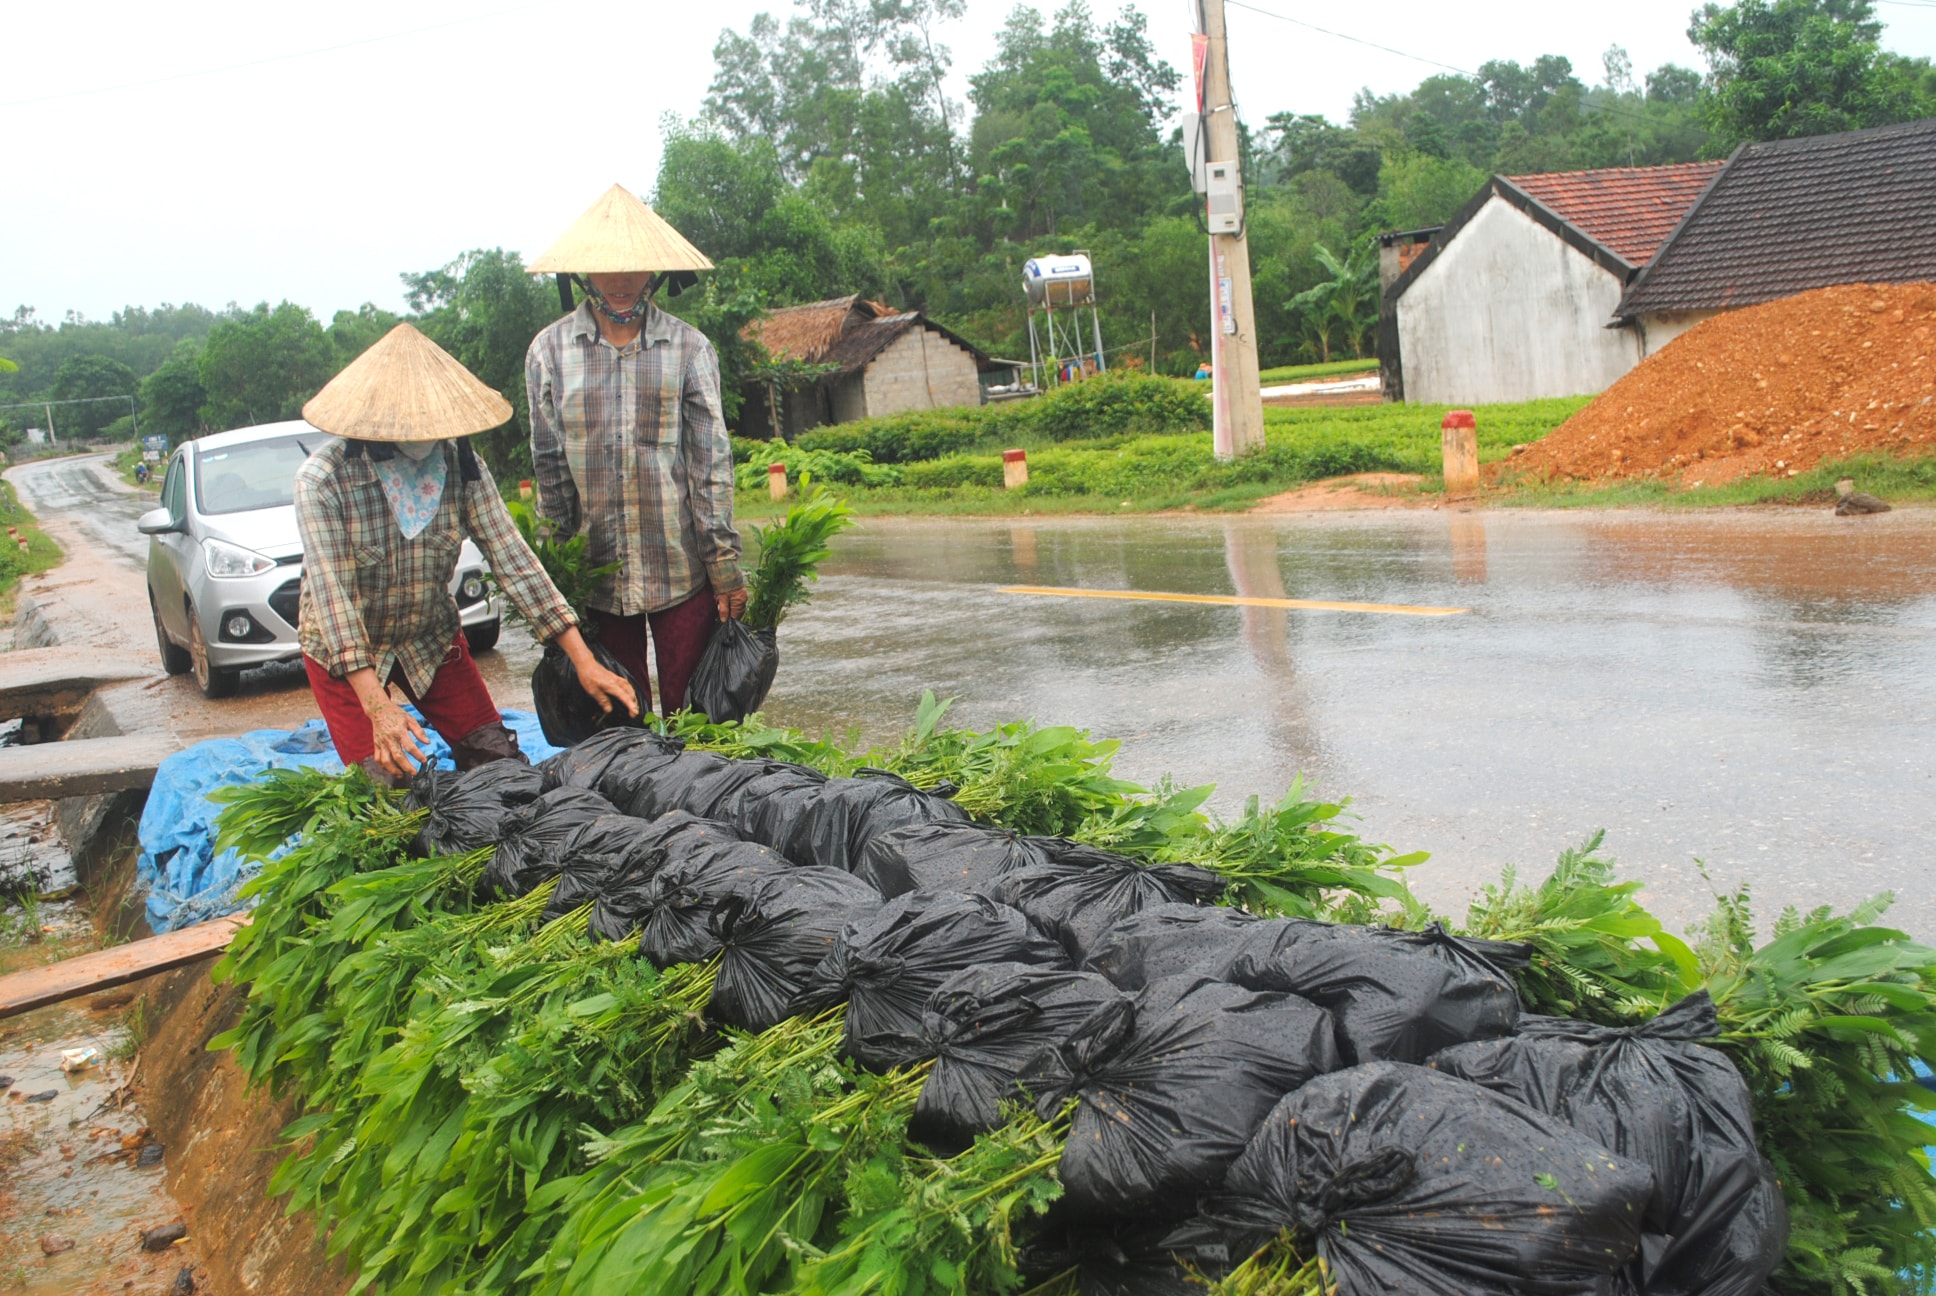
{"x":218,"y":152}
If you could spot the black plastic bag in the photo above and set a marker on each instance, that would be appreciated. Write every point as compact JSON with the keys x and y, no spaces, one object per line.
{"x":765,"y":806}
{"x":1172,"y":939}
{"x":590,"y":858}
{"x":774,"y":934}
{"x":732,"y":678}
{"x":625,"y":895}
{"x":1137,"y":1257}
{"x":1397,"y":995}
{"x":681,"y":898}
{"x":466,"y":809}
{"x":1657,"y":1094}
{"x":981,"y":1025}
{"x":1079,"y":892}
{"x":1172,"y":1086}
{"x":567,"y":713}
{"x":887,"y":964}
{"x":587,"y":764}
{"x":532,"y":840}
{"x":835,"y":827}
{"x":659,"y":787}
{"x":1411,"y":1180}
{"x":945,"y":856}
{"x":636,"y":771}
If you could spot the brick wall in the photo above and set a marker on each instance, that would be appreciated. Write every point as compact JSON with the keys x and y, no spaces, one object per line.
{"x":921,"y":370}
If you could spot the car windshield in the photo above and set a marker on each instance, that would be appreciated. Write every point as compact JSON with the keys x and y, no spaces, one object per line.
{"x":257,"y":475}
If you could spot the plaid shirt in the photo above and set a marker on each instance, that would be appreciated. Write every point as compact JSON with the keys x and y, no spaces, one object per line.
{"x":629,"y":444}
{"x":372,"y":599}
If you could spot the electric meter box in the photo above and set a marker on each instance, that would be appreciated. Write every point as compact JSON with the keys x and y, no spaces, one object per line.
{"x":1224,"y":198}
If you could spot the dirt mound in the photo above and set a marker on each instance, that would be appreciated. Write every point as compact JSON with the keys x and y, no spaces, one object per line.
{"x":1773,"y":389}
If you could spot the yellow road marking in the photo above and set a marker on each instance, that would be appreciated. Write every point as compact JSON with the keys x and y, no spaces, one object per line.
{"x":1231,"y":600}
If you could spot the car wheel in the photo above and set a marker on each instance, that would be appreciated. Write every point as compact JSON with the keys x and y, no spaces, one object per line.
{"x":174,"y":657}
{"x":215,"y":682}
{"x":483,"y":636}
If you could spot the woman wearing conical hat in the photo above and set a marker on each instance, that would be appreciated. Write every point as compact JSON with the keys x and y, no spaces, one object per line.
{"x":382,"y":514}
{"x":629,"y":445}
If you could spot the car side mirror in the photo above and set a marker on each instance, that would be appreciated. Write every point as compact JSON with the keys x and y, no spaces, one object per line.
{"x":157,"y":521}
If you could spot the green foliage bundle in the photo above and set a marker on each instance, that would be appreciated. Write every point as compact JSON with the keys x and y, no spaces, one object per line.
{"x":563,"y":560}
{"x":791,"y":551}
{"x":494,"y":1106}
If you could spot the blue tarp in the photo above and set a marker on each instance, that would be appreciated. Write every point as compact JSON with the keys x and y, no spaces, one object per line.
{"x":187,"y":881}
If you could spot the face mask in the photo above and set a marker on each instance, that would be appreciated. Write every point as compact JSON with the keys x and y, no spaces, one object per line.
{"x":618,"y":315}
{"x":418,"y":450}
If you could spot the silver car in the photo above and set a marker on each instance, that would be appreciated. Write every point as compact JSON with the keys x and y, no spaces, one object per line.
{"x":225,"y":561}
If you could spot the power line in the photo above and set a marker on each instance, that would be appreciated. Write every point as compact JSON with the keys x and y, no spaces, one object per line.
{"x":1355,"y":40}
{"x":273,"y":58}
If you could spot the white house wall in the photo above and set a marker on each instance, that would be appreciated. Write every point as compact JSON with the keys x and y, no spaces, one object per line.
{"x":1507,"y":311}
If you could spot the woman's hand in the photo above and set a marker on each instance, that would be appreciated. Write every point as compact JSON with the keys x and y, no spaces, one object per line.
{"x":395,"y":735}
{"x":607,"y":688}
{"x":732,"y":604}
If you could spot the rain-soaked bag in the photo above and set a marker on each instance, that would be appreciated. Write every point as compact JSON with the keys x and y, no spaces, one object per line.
{"x":945,"y":856}
{"x":981,"y":1026}
{"x":1410,"y":1180}
{"x":1658,"y":1094}
{"x":663,"y":786}
{"x":683,"y":894}
{"x":846,"y":814}
{"x":532,"y":841}
{"x":625,"y":895}
{"x":1137,"y":1257}
{"x":1171,"y":939}
{"x":764,"y":808}
{"x":590,"y":858}
{"x":774,"y":934}
{"x":567,"y":714}
{"x":887,"y":963}
{"x":637,"y":770}
{"x":587,"y":764}
{"x":1079,"y":892}
{"x":466,"y":809}
{"x":1397,"y":995}
{"x":1171,"y":1087}
{"x":733,"y":677}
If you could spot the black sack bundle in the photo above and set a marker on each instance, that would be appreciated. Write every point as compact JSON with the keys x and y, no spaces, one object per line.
{"x":1138,"y":1257}
{"x":566,"y":712}
{"x":1409,"y":1180}
{"x":944,"y":856}
{"x":1171,"y":1088}
{"x":981,"y":1026}
{"x":887,"y":964}
{"x":625,"y":895}
{"x":1656,"y":1093}
{"x":590,"y":858}
{"x":532,"y":841}
{"x":1171,"y":939}
{"x":1397,"y":995}
{"x":635,"y":772}
{"x":735,"y":673}
{"x":651,"y":787}
{"x":846,"y":814}
{"x":465,"y":810}
{"x":587,"y":764}
{"x":681,"y":898}
{"x":1078,"y":892}
{"x":773,"y":934}
{"x":764,"y":807}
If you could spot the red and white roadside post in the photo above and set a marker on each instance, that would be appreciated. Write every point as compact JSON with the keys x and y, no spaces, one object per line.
{"x":1014,"y":469}
{"x":1459,"y":442}
{"x":776,"y":481}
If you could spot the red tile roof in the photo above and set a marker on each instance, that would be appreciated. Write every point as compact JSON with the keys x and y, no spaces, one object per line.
{"x":1628,"y":210}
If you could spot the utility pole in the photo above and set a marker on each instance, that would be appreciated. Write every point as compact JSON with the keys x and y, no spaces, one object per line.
{"x":1239,"y":422}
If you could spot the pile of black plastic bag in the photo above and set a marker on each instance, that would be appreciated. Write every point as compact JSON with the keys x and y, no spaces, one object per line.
{"x":1379,"y":1093}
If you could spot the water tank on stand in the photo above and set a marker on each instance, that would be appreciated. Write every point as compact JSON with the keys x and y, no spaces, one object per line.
{"x":1058,"y":352}
{"x":1060,"y":281}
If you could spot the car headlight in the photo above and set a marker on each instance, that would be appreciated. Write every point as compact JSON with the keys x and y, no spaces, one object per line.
{"x":472,"y":590}
{"x":225,"y":559}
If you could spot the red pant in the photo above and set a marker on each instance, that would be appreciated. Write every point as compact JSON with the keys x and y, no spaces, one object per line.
{"x":457,"y":703}
{"x":679,"y":637}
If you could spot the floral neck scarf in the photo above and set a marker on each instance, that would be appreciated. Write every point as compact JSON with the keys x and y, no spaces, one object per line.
{"x":414,"y":489}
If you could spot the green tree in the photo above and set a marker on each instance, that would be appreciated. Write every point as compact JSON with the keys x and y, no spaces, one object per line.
{"x":97,"y":380}
{"x":484,"y":308}
{"x":1418,"y":191}
{"x":172,"y":396}
{"x":260,"y":367}
{"x":351,"y":333}
{"x":1344,"y":306}
{"x":1780,"y":69}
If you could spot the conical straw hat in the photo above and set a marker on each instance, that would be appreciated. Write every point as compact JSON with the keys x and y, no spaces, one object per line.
{"x":618,"y":234}
{"x":406,"y":388}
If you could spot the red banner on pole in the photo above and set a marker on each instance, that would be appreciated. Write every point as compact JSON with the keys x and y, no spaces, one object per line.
{"x":1199,"y":62}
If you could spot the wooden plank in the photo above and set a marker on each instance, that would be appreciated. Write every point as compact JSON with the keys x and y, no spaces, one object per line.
{"x":83,"y":768}
{"x":57,"y":681}
{"x":37,"y":987}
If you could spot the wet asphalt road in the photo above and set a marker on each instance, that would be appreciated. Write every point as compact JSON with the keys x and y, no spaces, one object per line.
{"x":1753,"y":691}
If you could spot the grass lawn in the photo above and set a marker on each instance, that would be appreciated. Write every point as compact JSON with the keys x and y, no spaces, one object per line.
{"x":40,"y":554}
{"x":1313,"y":372}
